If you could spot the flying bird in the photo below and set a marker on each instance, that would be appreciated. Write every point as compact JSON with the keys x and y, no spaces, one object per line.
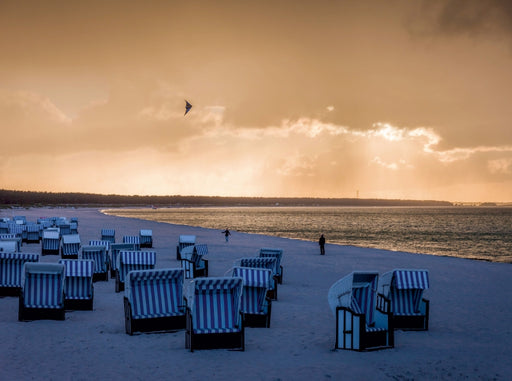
{"x":188,"y":106}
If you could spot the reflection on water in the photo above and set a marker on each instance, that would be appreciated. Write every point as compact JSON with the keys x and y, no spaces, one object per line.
{"x":470,"y":232}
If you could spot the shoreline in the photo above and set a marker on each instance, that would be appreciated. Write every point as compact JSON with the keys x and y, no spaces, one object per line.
{"x":468,"y":336}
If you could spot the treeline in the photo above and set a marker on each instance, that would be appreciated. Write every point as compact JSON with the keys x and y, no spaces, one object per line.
{"x":26,"y":199}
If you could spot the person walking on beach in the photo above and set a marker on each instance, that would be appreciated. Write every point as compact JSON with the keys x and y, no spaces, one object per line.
{"x":226,"y":234}
{"x":321,"y":242}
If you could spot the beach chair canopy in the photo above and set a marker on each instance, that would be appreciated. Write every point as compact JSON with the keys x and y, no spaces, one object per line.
{"x":70,"y":239}
{"x":11,"y":267}
{"x":42,"y":285}
{"x":404,"y":288}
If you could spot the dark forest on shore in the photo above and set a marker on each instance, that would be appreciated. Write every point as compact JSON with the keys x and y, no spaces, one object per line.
{"x":9,"y":198}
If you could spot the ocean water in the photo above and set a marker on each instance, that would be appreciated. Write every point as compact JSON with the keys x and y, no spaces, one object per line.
{"x":470,"y":232}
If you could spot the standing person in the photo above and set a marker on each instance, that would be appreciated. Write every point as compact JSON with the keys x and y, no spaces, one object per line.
{"x":321,"y":242}
{"x":226,"y":234}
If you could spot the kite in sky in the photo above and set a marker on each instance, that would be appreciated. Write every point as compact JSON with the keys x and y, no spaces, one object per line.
{"x":188,"y":106}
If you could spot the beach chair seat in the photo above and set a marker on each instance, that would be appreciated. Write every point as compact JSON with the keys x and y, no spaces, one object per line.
{"x":133,"y":239}
{"x":264,"y":263}
{"x":255,"y":304}
{"x":132,"y":260}
{"x":184,"y":241}
{"x":11,"y":271}
{"x":214,"y":318}
{"x":108,"y":234}
{"x":195,"y":265}
{"x":401,"y":295}
{"x":70,"y":246}
{"x":359,"y":325}
{"x":33,"y":232}
{"x":50,"y":242}
{"x":78,"y":284}
{"x":42,"y":292}
{"x":154,"y":301}
{"x":146,"y":238}
{"x":278,"y":254}
{"x":98,"y":254}
{"x":115,"y":248}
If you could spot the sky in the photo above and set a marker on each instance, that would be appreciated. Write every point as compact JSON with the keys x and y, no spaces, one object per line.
{"x":399,"y":99}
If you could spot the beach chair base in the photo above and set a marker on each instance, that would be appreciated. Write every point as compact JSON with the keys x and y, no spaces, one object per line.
{"x":100,"y":276}
{"x":28,"y":314}
{"x":410,"y":323}
{"x":49,"y":252}
{"x":257,"y":321}
{"x":79,"y":304}
{"x":146,"y":244}
{"x":73,"y":256}
{"x":10,"y":291}
{"x":168,"y":323}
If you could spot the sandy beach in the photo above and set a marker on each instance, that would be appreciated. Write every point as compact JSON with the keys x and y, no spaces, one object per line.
{"x":468,"y":337}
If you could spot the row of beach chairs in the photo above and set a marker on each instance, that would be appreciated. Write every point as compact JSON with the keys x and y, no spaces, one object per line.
{"x":368,"y":309}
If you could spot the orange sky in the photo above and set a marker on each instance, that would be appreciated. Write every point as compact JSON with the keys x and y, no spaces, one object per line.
{"x":381,"y":99}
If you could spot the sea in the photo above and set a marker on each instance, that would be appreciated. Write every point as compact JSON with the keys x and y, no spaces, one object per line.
{"x":483,"y":233}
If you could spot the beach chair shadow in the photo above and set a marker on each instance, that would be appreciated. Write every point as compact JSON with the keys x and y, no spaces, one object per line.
{"x":42,"y":292}
{"x":11,"y":271}
{"x":78,"y":284}
{"x":132,"y":260}
{"x":193,"y":262}
{"x":256,"y":306}
{"x":401,"y":295}
{"x":214,"y":319}
{"x":359,"y":325}
{"x":153,"y":300}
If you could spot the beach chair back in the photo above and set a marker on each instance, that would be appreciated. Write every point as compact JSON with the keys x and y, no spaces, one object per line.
{"x":70,"y":245}
{"x":108,"y":234}
{"x":11,"y":267}
{"x":98,"y":254}
{"x":146,"y":237}
{"x":43,"y":285}
{"x":135,"y":260}
{"x":155,"y":293}
{"x":133,"y":239}
{"x":215,"y":305}
{"x":260,"y":262}
{"x":256,"y":283}
{"x":404,"y":288}
{"x":78,"y":281}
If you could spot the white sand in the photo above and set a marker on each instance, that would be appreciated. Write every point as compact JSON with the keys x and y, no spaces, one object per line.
{"x":469,"y":337}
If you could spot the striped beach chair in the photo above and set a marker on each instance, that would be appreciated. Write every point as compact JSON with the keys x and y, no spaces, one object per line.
{"x":133,"y":239}
{"x":255,"y":304}
{"x":153,"y":300}
{"x":78,"y":286}
{"x":115,"y":248}
{"x":278,"y":254}
{"x":70,"y":246}
{"x":133,"y":260}
{"x":184,"y":241}
{"x":33,"y":233}
{"x":8,"y":245}
{"x":146,"y":238}
{"x":42,"y":292}
{"x":50,"y":243}
{"x":214,"y":318}
{"x":11,"y":271}
{"x":108,"y":234}
{"x":98,"y":254}
{"x":359,"y":326}
{"x":195,"y":265}
{"x":269,"y":263}
{"x":401,"y":295}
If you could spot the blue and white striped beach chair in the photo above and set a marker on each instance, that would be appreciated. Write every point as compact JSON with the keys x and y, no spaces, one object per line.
{"x":9,"y":245}
{"x":133,"y":260}
{"x":33,"y":233}
{"x":133,"y":239}
{"x":78,"y":286}
{"x":184,"y":241}
{"x":70,"y":246}
{"x":50,"y":243}
{"x":42,"y":292}
{"x":278,"y":254}
{"x":264,"y":263}
{"x":108,"y":234}
{"x":11,"y":271}
{"x":146,"y":238}
{"x":255,"y":304}
{"x":115,"y":248}
{"x":195,"y":265}
{"x":153,"y":300}
{"x":401,"y":294}
{"x":214,"y":318}
{"x":99,"y":255}
{"x":359,"y":326}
